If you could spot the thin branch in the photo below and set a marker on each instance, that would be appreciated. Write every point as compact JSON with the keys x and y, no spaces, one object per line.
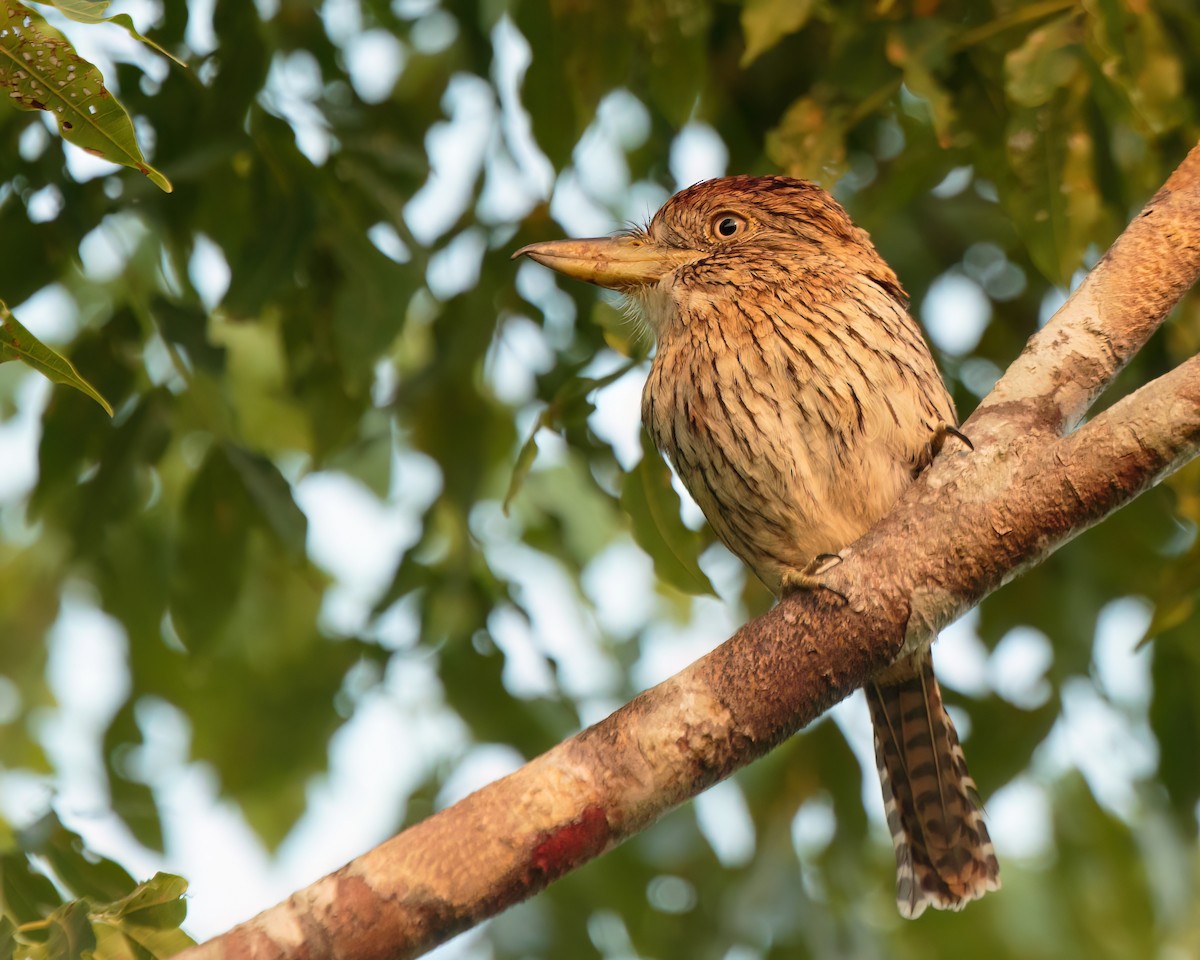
{"x":1022,"y":14}
{"x":1160,"y":410}
{"x":971,"y":523}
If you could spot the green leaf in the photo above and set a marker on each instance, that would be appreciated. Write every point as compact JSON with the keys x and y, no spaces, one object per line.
{"x":1048,"y":60}
{"x":41,"y":71}
{"x":566,"y":81}
{"x":132,"y":801}
{"x":1175,"y":717}
{"x":920,"y":49}
{"x":675,"y":53}
{"x":571,"y":404}
{"x":1140,"y":61}
{"x":1056,"y":202}
{"x":472,"y":675}
{"x":163,"y":889}
{"x":17,"y":343}
{"x":133,"y":942}
{"x":212,"y":543}
{"x":653,"y":506}
{"x":142,"y":924}
{"x":766,"y":22}
{"x":147,"y":920}
{"x":8,"y":944}
{"x":111,"y":914}
{"x":810,"y":140}
{"x":70,"y":933}
{"x":92,"y":11}
{"x":1052,"y":150}
{"x":372,"y":292}
{"x":83,"y":875}
{"x":271,"y":494}
{"x":1100,"y":862}
{"x":525,"y":460}
{"x":25,"y":894}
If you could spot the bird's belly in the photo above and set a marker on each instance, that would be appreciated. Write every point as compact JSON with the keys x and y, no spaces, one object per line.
{"x":777,"y":488}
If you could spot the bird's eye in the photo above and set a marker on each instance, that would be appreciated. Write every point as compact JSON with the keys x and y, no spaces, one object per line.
{"x":728,"y":225}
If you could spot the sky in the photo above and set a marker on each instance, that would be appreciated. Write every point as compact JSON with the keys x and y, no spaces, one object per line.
{"x":356,"y":537}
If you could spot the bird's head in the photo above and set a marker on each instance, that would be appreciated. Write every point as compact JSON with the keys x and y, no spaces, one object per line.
{"x":725,"y":238}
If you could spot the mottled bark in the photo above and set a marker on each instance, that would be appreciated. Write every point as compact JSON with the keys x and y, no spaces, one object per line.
{"x":975,"y":520}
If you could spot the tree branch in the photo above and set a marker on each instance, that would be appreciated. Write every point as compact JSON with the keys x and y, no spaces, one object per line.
{"x":1113,"y":312}
{"x":972,"y":522}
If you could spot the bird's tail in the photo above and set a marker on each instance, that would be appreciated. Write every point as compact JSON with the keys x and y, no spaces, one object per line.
{"x":944,"y":856}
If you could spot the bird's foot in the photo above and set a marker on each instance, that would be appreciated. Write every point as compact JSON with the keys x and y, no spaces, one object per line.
{"x":809,"y":579}
{"x":941,"y":434}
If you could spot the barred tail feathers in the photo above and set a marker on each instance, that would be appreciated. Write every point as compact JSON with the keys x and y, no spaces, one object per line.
{"x":944,"y":856}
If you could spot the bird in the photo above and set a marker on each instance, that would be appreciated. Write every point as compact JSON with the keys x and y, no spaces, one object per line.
{"x":797,"y":399}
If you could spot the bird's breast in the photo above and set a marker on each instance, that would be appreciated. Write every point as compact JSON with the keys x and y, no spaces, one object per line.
{"x":787,"y":440}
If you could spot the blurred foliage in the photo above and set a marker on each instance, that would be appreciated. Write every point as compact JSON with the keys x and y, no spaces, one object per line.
{"x":328,"y":293}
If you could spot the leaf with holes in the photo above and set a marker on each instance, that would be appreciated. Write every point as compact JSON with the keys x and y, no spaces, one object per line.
{"x":17,"y":343}
{"x":92,"y":11}
{"x":41,"y":71}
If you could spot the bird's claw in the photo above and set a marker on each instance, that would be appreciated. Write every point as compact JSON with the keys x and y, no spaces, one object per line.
{"x":944,"y":431}
{"x":809,"y":579}
{"x":935,"y":445}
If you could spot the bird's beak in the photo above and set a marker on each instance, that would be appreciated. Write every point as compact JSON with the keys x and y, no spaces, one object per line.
{"x":618,"y":263}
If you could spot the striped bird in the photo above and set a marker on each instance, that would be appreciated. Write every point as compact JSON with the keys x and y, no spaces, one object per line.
{"x":797,"y":399}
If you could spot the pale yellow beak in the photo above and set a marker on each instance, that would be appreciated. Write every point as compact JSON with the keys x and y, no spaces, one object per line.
{"x":618,"y":263}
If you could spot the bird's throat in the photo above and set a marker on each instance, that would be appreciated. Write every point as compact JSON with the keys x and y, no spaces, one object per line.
{"x":657,"y":308}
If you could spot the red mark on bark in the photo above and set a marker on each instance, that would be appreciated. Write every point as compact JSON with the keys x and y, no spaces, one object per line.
{"x":565,"y":848}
